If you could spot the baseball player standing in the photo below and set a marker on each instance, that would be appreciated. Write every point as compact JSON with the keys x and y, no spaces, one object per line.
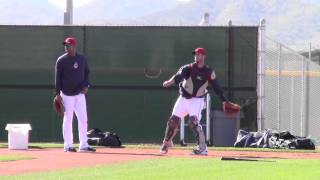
{"x":193,"y":80}
{"x":71,"y":83}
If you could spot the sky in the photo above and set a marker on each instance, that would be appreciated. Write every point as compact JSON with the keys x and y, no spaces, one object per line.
{"x":295,"y":23}
{"x":78,"y":3}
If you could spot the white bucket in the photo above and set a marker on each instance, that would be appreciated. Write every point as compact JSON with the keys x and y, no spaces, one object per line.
{"x":18,"y":136}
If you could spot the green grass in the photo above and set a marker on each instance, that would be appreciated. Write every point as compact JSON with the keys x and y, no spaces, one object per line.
{"x":177,"y":146}
{"x":190,"y":168}
{"x":191,"y":146}
{"x":37,"y":145}
{"x":5,"y":158}
{"x":45,"y":145}
{"x":184,"y":168}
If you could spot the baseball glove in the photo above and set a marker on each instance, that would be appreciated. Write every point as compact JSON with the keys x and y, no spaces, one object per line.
{"x":230,"y":109}
{"x":58,"y":105}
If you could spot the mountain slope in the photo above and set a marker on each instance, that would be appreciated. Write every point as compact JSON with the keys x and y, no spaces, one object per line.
{"x":35,"y":12}
{"x":292,"y":22}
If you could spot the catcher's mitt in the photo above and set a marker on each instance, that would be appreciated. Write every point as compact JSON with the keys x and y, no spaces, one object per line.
{"x":230,"y":109}
{"x":58,"y":105}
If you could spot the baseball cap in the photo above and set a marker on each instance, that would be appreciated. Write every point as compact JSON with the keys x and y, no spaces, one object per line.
{"x":200,"y":51}
{"x":70,"y":41}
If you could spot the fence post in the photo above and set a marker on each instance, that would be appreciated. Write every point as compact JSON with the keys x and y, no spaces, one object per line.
{"x":208,"y":118}
{"x":292,"y":89}
{"x":307,"y":93}
{"x":261,"y":74}
{"x":278,"y":84}
{"x":302,"y":105}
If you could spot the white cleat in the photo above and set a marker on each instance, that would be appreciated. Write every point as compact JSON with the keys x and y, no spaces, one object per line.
{"x":200,"y":151}
{"x":165,"y":146}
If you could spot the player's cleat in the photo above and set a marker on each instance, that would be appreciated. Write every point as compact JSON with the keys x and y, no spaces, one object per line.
{"x":88,"y":149}
{"x":200,"y":151}
{"x":164,"y":149}
{"x":70,"y":149}
{"x":165,"y":146}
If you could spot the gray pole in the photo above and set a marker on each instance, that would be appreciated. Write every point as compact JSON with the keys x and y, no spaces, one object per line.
{"x":208,"y":118}
{"x":261,"y":74}
{"x":205,"y":20}
{"x":68,"y":15}
{"x":278,"y":86}
{"x":302,"y":105}
{"x":310,"y":52}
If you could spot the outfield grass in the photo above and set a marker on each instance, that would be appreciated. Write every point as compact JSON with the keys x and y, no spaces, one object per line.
{"x":184,"y":168}
{"x":190,"y":168}
{"x":5,"y":158}
{"x":191,"y":146}
{"x":37,"y":145}
{"x":177,"y":146}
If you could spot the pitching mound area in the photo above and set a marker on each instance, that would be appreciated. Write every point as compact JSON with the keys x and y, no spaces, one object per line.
{"x":50,"y":159}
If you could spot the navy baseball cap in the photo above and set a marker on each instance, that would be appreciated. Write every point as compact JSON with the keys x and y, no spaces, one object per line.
{"x":200,"y":51}
{"x":70,"y":41}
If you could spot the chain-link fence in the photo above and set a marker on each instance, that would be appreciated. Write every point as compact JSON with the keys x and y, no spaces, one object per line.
{"x":291,"y":91}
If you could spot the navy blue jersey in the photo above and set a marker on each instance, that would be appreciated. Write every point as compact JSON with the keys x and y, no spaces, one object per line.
{"x":193,"y":81}
{"x":72,"y":74}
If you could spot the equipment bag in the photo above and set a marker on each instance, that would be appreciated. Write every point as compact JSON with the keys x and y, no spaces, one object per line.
{"x":97,"y":138}
{"x":110,"y":139}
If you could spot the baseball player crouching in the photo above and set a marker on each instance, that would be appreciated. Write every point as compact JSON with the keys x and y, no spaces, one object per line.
{"x":193,"y":80}
{"x":71,"y":83}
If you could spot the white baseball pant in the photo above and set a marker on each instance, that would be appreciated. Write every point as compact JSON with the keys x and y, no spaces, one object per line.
{"x":192,"y":106}
{"x":77,"y":104}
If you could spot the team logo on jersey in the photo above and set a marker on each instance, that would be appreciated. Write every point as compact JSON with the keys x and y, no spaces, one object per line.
{"x":199,"y":78}
{"x":75,"y":65}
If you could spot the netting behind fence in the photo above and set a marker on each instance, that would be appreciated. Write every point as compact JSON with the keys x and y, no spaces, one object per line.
{"x":128,"y":66}
{"x":291,"y":86}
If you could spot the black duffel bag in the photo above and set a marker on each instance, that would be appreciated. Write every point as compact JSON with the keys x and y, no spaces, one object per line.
{"x":97,"y":138}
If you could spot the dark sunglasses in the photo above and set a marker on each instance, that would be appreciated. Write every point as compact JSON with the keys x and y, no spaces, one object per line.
{"x":68,"y":45}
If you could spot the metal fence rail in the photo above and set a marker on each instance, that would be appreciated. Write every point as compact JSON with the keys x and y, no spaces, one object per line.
{"x":291,"y":85}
